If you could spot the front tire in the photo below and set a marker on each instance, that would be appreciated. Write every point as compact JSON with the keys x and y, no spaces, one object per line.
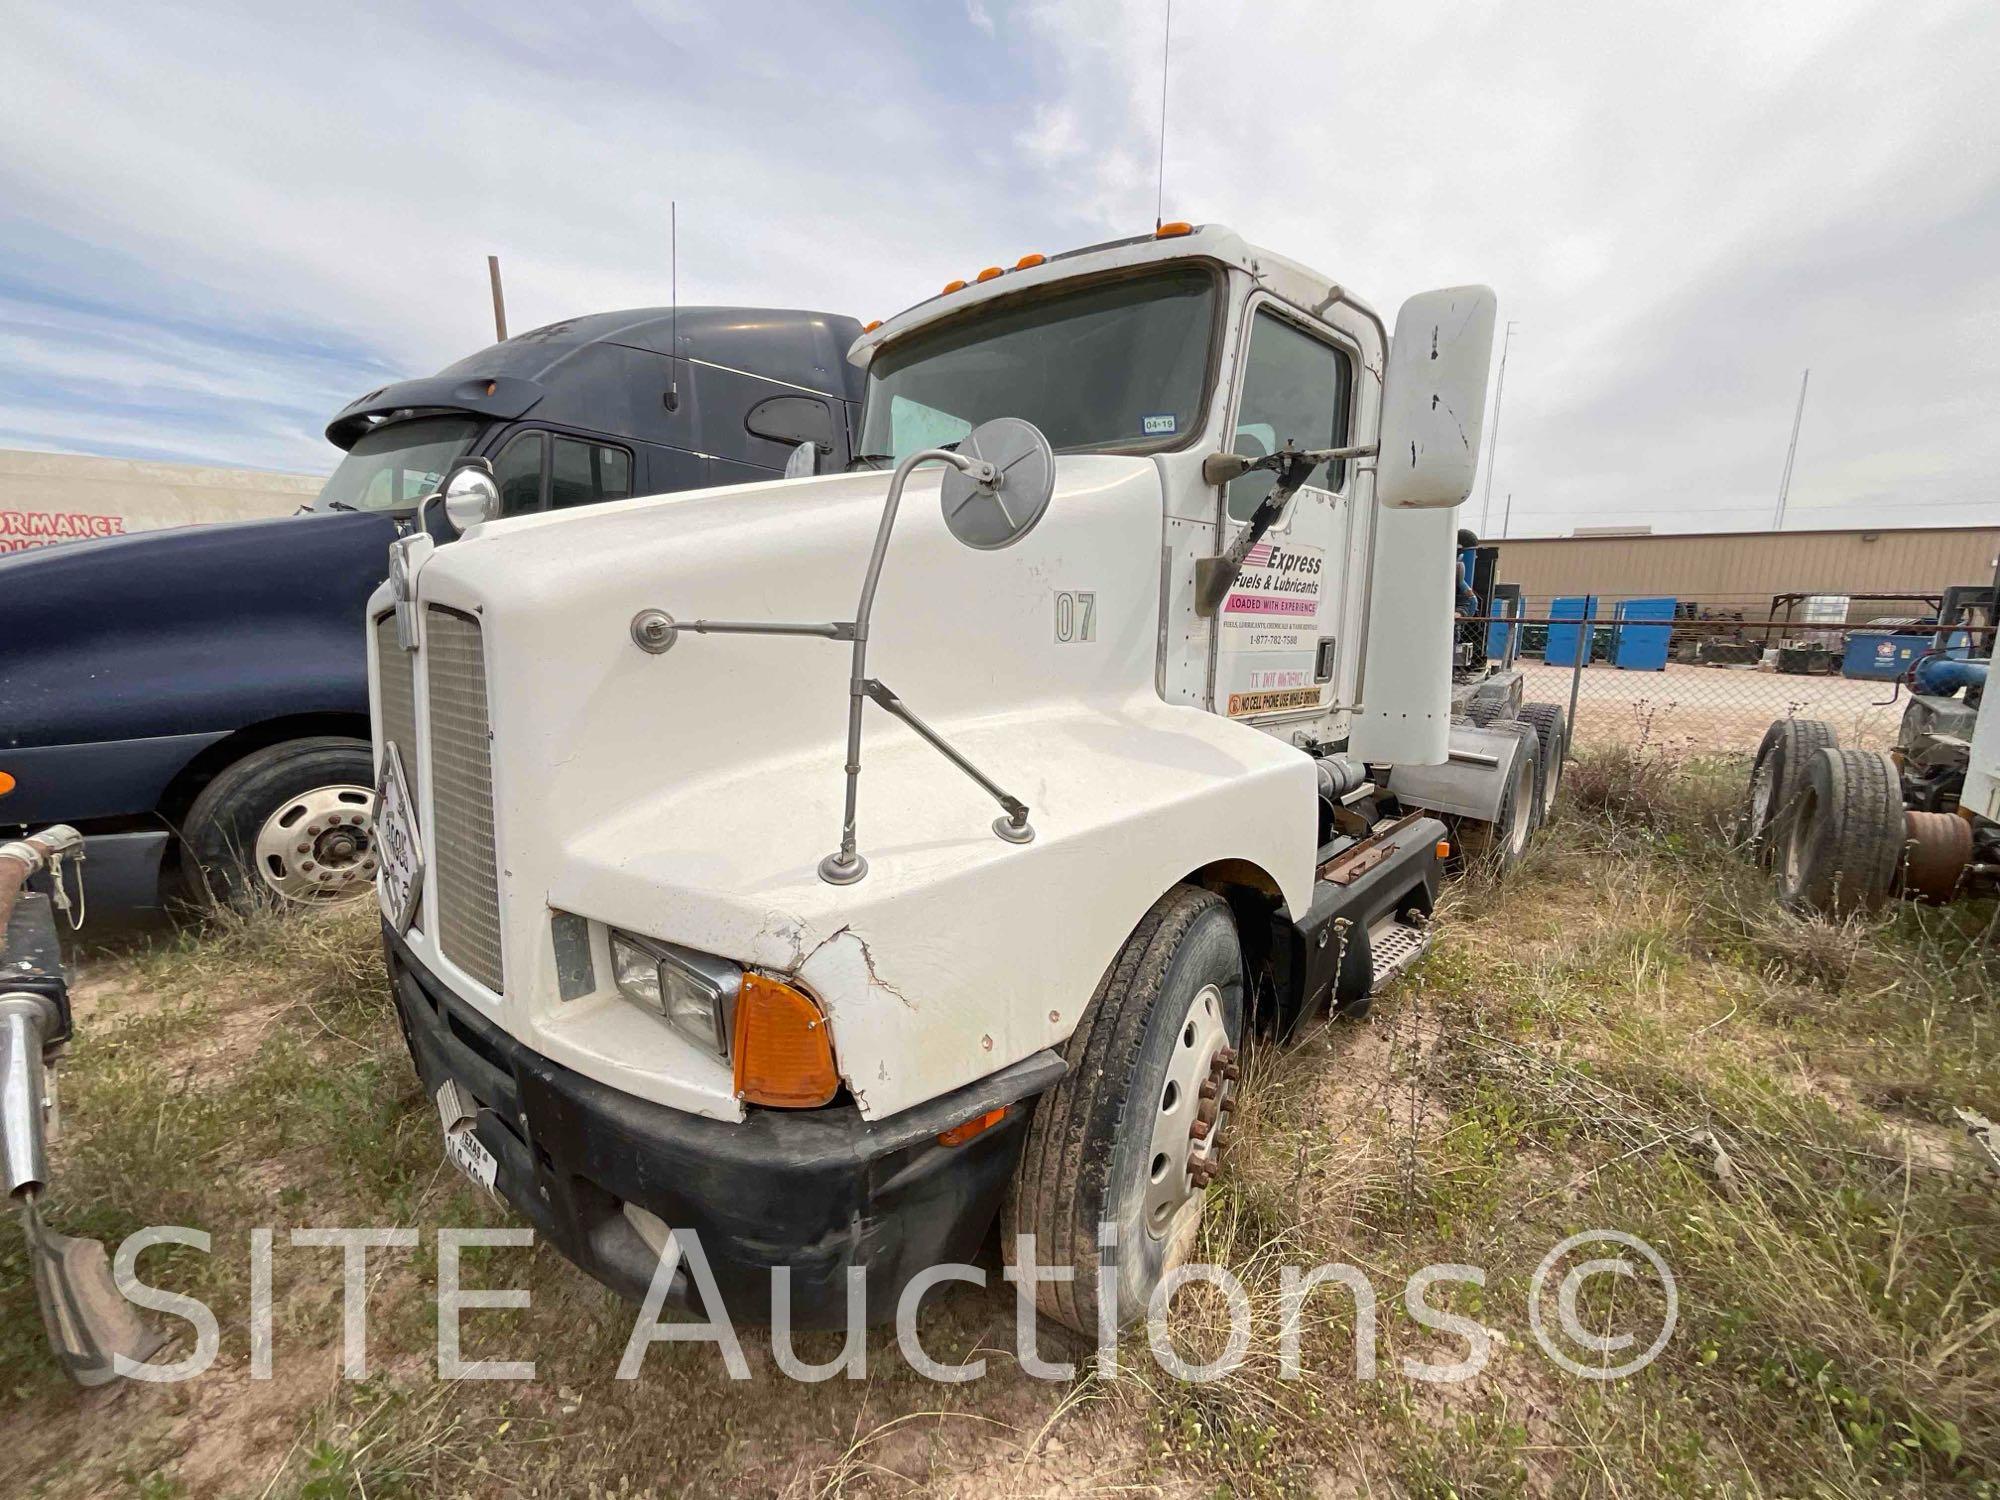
{"x":1128,"y":1138}
{"x":286,"y":825}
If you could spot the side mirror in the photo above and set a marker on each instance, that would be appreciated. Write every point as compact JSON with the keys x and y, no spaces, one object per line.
{"x":804,"y":461}
{"x":471,"y":494}
{"x":1434,"y":398}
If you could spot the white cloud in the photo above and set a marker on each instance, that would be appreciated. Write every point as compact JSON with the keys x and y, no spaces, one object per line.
{"x":1683,"y":208}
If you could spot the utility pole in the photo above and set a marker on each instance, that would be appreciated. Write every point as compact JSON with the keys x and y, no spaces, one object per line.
{"x":1785,"y":482}
{"x":1493,"y":446}
{"x":499,"y":302}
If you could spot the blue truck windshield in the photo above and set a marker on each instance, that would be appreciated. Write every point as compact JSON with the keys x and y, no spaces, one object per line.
{"x":395,"y":466}
{"x":1117,"y":366}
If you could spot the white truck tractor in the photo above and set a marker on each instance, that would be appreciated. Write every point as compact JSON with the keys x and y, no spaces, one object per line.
{"x":698,"y":913}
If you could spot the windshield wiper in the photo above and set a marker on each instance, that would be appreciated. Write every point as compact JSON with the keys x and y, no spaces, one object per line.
{"x":870,"y":458}
{"x":342,"y":505}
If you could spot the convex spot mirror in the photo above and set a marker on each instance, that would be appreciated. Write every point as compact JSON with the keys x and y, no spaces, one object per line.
{"x":991,"y":516}
{"x":1434,"y":398}
{"x":471,"y":495}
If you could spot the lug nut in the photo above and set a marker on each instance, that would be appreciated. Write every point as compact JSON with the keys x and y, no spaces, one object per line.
{"x":1198,"y":1131}
{"x":1232,"y":1073}
{"x":1207,"y":1090}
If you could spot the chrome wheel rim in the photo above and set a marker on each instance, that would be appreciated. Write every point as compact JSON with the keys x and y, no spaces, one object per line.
{"x":318,"y":846}
{"x":1520,"y":819}
{"x":1763,"y":785}
{"x":1189,"y":1114}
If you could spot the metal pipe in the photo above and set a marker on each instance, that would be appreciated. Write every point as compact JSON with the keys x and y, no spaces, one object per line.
{"x":846,"y":866}
{"x":1016,"y":810}
{"x":832,"y":630}
{"x":23,"y":1094}
{"x":1586,"y":641}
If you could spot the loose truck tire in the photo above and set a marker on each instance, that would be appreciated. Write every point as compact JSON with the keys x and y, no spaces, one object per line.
{"x":288,"y":823}
{"x":1778,"y":778}
{"x":1112,"y":1142}
{"x":1844,"y":840}
{"x":1551,"y":726}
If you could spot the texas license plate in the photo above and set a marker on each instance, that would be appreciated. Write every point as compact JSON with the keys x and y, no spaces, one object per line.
{"x":399,"y":857}
{"x":462,"y":1147}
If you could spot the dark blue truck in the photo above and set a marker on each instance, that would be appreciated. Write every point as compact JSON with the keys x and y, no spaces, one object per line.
{"x":196,"y":700}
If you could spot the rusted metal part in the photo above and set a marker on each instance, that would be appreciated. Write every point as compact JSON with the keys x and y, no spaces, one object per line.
{"x":1358,"y":859}
{"x":1937,"y":848}
{"x":1217,"y":1102}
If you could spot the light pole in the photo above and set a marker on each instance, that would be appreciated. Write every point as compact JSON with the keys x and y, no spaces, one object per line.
{"x":1493,"y":447}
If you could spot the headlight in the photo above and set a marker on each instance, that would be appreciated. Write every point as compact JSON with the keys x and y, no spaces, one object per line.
{"x":692,"y":992}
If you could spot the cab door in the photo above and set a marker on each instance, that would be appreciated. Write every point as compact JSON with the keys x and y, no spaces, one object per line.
{"x":1277,"y":646}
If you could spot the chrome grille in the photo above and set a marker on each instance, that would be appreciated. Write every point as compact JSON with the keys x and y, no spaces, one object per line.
{"x":396,"y":672}
{"x":461,"y":772}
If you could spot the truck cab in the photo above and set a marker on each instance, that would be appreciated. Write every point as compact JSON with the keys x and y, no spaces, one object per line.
{"x":195,"y":700}
{"x":710,"y":963}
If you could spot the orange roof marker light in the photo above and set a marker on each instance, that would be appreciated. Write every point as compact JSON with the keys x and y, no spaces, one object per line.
{"x":1173,"y":230}
{"x":953,"y":286}
{"x":782,"y":1052}
{"x":1029,"y":262}
{"x":988,"y":274}
{"x":6,"y":783}
{"x":871,"y":327}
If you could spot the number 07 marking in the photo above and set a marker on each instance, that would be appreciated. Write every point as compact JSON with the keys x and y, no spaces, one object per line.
{"x":1076,"y":617}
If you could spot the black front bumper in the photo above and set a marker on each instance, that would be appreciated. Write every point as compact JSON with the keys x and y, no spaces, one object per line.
{"x":816,"y":1190}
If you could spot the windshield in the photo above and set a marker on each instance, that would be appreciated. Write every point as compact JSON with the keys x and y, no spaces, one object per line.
{"x":394,"y":467}
{"x":1118,"y":366}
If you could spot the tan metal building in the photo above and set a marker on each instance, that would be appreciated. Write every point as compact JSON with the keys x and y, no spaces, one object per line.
{"x":46,"y":498}
{"x":1728,"y":571}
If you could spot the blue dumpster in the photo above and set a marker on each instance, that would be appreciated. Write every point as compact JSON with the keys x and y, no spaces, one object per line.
{"x":1566,"y":643}
{"x":1885,"y":655}
{"x":1643,"y":631}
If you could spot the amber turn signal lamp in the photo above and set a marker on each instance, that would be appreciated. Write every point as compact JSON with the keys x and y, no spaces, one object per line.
{"x":871,"y":327}
{"x":1174,"y":230}
{"x":782,"y":1050}
{"x":1444,"y":849}
{"x":954,"y":286}
{"x":6,"y":783}
{"x":1029,"y":262}
{"x":988,"y":274}
{"x":958,"y":1135}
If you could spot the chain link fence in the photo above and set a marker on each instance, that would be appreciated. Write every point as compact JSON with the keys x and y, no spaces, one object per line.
{"x":1685,"y":687}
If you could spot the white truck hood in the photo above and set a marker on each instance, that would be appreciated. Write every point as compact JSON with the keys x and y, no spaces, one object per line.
{"x":690,"y":796}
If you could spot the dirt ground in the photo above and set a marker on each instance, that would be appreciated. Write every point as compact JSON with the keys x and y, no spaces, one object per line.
{"x":1625,"y":1034}
{"x":1688,"y":709}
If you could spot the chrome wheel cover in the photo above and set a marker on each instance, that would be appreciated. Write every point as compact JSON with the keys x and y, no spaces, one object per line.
{"x":319,"y":846}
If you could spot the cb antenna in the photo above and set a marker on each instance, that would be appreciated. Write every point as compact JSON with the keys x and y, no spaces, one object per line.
{"x":1166,"y":51}
{"x":674,"y":305}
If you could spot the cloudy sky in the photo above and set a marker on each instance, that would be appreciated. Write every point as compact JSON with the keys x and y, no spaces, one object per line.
{"x":215,"y":230}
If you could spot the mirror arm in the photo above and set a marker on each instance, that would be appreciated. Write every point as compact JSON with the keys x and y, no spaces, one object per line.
{"x":1215,"y":576}
{"x":1014,"y":826}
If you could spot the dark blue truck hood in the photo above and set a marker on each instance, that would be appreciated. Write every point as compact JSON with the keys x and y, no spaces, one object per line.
{"x":174,"y":632}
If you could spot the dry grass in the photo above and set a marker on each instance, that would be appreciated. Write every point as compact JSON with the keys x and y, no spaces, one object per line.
{"x":1628,"y":1034}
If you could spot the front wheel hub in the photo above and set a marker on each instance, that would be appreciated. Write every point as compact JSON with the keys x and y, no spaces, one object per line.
{"x":1194,"y":1108}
